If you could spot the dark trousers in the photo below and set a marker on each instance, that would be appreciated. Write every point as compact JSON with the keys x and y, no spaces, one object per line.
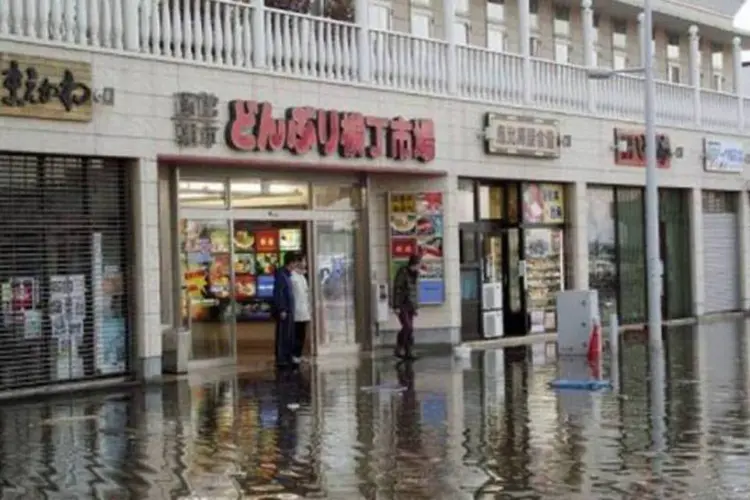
{"x":405,"y":338}
{"x":285,"y":341}
{"x":300,"y":332}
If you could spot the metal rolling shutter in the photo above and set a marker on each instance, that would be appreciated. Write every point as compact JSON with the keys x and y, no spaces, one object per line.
{"x":720,"y":252}
{"x":64,"y":233}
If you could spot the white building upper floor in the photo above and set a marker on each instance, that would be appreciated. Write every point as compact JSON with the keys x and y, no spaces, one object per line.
{"x":525,"y":53}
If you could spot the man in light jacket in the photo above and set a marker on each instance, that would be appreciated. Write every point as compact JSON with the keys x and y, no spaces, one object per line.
{"x":302,"y":313}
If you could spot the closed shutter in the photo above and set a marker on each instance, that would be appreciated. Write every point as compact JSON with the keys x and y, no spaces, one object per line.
{"x":64,"y":232}
{"x":721,"y":257}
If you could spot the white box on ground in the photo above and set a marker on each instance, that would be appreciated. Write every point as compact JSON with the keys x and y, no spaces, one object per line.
{"x":577,"y":312}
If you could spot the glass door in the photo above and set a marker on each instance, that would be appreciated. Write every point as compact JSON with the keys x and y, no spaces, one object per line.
{"x":207,"y":282}
{"x":492,"y":285}
{"x":335,"y":268}
{"x":471,"y":270}
{"x":514,"y":303}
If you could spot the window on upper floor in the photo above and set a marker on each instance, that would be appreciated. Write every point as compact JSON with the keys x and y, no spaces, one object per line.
{"x":561,"y":23}
{"x":534,"y":15}
{"x":673,"y":72}
{"x":421,"y":23}
{"x":497,"y":38}
{"x":562,"y":51}
{"x":461,"y":30}
{"x":462,"y":7}
{"x":718,"y":82}
{"x":673,"y":47}
{"x":495,"y":11}
{"x":717,"y":56}
{"x":619,"y":34}
{"x":380,"y":16}
{"x":619,"y":60}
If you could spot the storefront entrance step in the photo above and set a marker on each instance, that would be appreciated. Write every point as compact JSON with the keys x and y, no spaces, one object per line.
{"x":534,"y":338}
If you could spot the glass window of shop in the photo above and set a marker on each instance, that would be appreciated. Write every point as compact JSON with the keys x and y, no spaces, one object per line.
{"x":543,"y":211}
{"x":616,"y":240}
{"x":230,"y":250}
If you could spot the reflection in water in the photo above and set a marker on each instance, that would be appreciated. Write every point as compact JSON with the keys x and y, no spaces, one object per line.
{"x":431,"y":429}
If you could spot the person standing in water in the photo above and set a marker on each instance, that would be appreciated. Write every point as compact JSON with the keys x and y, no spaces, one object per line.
{"x":302,"y":314}
{"x":405,"y":303}
{"x":283,"y":309}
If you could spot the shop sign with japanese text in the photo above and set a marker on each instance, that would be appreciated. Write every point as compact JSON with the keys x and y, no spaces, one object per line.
{"x":194,"y":119}
{"x":630,"y":149}
{"x":252,"y":127}
{"x":52,"y":89}
{"x":512,"y":135}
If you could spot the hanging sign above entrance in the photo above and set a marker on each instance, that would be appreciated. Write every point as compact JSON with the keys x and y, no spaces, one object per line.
{"x":630,"y":149}
{"x":512,"y":135}
{"x":252,"y":127}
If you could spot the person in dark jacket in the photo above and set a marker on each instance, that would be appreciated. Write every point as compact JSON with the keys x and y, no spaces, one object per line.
{"x":405,"y":303}
{"x":283,"y":308}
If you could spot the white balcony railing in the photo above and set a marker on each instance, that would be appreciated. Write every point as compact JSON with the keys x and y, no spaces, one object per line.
{"x":248,"y":35}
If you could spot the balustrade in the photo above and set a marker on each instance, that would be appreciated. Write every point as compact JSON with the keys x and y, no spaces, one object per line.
{"x":249,"y":35}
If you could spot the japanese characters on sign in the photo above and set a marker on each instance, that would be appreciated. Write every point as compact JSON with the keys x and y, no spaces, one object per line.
{"x":630,"y":149}
{"x":194,"y":119}
{"x":252,"y":127}
{"x":521,"y":136}
{"x":37,"y":87}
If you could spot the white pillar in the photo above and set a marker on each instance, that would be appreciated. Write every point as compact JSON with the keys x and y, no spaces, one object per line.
{"x":744,"y":233}
{"x":131,"y":26}
{"x":449,"y":29}
{"x":642,"y":39}
{"x":587,"y":20}
{"x":694,"y":59}
{"x":579,"y":206}
{"x":524,"y":33}
{"x":362,"y":20}
{"x":737,"y":67}
{"x":147,"y":317}
{"x":696,"y":242}
{"x":258,"y":23}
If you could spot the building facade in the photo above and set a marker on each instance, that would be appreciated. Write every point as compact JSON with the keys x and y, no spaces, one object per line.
{"x":161,"y":159}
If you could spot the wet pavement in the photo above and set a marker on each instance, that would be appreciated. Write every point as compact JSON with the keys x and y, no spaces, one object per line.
{"x":439,"y":428}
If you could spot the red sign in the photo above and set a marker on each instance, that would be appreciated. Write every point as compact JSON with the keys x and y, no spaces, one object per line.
{"x":252,"y":127}
{"x":630,"y":149}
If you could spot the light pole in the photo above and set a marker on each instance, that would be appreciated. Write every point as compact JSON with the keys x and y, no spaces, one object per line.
{"x":653,"y":260}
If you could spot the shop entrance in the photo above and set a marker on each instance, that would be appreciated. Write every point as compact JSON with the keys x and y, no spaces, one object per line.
{"x":228,"y":262}
{"x":492,"y":298}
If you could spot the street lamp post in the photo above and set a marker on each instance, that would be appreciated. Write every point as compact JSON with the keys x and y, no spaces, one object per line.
{"x":653,"y":260}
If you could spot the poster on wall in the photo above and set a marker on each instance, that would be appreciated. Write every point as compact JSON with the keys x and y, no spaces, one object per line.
{"x":67,"y":312}
{"x":416,"y":227}
{"x":543,"y":203}
{"x":20,"y":306}
{"x":110,"y":327}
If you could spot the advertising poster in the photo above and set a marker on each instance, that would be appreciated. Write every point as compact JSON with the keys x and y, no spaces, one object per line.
{"x":543,"y":203}
{"x":109,"y":319}
{"x":416,"y":227}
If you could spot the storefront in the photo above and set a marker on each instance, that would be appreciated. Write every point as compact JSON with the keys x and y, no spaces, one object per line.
{"x":721,"y":251}
{"x":617,"y":262}
{"x":234,"y":221}
{"x":64,"y":278}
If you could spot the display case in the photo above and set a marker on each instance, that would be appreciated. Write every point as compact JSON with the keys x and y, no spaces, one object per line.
{"x":544,"y":276}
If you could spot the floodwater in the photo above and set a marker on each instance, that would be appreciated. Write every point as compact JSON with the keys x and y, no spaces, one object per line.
{"x":438,"y":428}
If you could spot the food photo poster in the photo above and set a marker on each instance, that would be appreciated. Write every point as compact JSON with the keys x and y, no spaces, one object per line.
{"x":416,"y":227}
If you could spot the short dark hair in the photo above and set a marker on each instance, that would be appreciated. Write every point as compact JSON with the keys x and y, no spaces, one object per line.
{"x":414,"y":260}
{"x":291,"y":258}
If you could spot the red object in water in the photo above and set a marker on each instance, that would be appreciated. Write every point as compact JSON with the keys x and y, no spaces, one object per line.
{"x":595,"y":344}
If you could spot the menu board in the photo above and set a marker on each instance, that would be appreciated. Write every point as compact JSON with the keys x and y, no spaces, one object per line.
{"x":544,"y":276}
{"x":416,"y":227}
{"x":543,"y":203}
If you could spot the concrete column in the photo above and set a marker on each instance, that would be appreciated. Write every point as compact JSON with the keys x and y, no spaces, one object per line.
{"x":643,"y":39}
{"x":449,"y":29}
{"x":737,"y":68}
{"x":259,"y":33}
{"x":587,"y":22}
{"x":362,"y":20}
{"x":524,"y":34}
{"x":695,"y":71}
{"x":147,"y":317}
{"x":579,"y":207}
{"x":744,"y":234}
{"x":696,"y":242}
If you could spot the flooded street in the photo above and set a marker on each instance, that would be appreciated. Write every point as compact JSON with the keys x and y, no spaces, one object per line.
{"x":438,"y":428}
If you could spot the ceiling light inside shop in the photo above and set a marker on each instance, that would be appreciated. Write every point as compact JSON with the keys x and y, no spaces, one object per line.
{"x":202,"y":187}
{"x":247,"y":188}
{"x":279,"y":188}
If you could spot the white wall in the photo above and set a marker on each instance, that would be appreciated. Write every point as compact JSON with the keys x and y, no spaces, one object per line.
{"x":139,"y":126}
